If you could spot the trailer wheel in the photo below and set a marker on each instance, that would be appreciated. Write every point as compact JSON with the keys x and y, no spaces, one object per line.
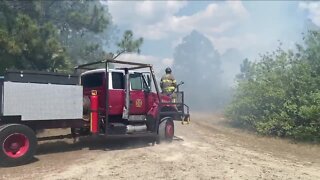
{"x":166,"y":130}
{"x":18,"y":144}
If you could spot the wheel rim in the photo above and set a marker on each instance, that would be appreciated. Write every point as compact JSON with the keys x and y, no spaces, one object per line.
{"x":169,"y":130}
{"x":15,"y":145}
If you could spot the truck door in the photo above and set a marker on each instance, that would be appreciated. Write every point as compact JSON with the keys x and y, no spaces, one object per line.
{"x":137,"y":95}
{"x":116,"y":93}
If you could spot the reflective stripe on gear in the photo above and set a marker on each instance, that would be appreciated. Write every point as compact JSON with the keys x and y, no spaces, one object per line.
{"x":170,"y":88}
{"x":167,"y":81}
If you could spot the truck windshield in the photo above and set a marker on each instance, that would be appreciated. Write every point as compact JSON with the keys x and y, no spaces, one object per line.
{"x":92,"y":80}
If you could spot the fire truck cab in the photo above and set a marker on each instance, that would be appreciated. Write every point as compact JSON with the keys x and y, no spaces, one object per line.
{"x":135,"y":105}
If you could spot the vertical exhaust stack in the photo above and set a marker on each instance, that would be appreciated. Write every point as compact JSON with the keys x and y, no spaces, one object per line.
{"x":1,"y":94}
{"x":94,"y":118}
{"x":126,"y":108}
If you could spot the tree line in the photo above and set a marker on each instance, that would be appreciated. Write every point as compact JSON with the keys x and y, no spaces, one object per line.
{"x":280,"y":93}
{"x":49,"y":35}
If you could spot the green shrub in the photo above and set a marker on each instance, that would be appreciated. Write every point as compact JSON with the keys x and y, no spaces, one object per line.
{"x":280,"y":94}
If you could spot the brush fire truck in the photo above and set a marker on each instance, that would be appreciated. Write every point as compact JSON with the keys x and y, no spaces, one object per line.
{"x":120,"y":99}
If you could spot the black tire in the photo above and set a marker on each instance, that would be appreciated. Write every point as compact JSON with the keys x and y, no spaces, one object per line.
{"x":3,"y":126}
{"x":163,"y":135}
{"x":27,"y":133}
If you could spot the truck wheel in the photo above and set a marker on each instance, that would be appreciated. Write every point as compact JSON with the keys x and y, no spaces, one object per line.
{"x":166,"y":130}
{"x":18,"y":144}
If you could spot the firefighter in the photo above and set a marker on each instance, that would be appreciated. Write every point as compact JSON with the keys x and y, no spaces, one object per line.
{"x":168,"y":84}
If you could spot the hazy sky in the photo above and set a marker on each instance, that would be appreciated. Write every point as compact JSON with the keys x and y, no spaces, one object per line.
{"x":252,"y":27}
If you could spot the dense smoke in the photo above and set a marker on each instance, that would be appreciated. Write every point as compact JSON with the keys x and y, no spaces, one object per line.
{"x":209,"y":76}
{"x":199,"y":65}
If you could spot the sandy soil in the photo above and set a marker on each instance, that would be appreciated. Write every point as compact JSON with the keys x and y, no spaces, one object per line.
{"x":208,"y":148}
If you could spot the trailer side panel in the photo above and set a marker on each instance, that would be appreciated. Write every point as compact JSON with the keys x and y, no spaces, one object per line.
{"x":35,"y":101}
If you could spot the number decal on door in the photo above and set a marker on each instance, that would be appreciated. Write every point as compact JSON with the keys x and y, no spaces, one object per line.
{"x":138,"y":103}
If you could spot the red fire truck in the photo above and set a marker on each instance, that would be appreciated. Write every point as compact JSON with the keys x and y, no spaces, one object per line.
{"x":120,"y":99}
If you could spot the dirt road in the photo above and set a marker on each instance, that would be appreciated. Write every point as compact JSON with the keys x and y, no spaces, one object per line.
{"x":206,"y":149}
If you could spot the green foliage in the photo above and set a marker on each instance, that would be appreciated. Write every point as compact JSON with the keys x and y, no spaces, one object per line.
{"x":128,"y":44}
{"x":26,"y":45}
{"x":82,"y":25}
{"x":280,"y":94}
{"x":55,"y":35}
